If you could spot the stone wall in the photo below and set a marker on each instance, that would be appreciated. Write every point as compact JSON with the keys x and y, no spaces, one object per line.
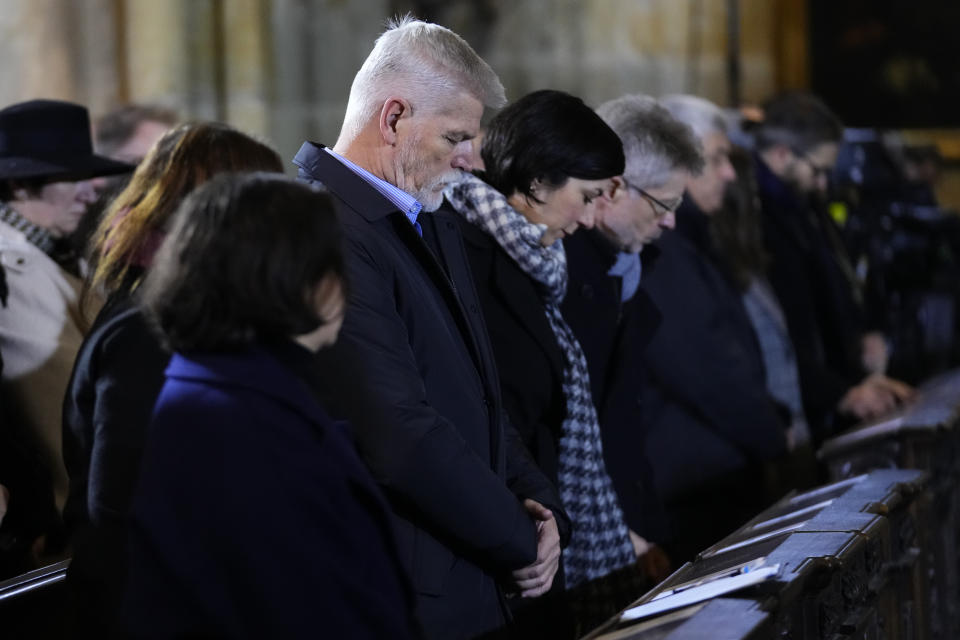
{"x":282,"y":68}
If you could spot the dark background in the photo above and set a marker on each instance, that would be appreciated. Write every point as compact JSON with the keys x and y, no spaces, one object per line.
{"x":888,"y":63}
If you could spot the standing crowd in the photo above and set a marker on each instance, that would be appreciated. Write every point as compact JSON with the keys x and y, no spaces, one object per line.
{"x":452,"y":382}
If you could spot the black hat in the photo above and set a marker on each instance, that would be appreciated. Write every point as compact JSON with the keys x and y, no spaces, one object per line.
{"x":50,"y":139}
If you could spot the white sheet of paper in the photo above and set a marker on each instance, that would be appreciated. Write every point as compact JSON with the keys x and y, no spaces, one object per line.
{"x":712,"y":589}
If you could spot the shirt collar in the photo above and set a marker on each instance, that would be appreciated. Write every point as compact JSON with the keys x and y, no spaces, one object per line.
{"x":398,"y":197}
{"x":35,"y":235}
{"x":628,"y":268}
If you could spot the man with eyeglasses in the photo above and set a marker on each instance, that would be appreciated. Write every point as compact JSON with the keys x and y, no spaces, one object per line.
{"x":611,"y":315}
{"x":796,"y":149}
{"x":709,"y":420}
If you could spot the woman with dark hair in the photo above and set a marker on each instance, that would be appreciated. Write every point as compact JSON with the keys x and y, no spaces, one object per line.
{"x":119,"y":369}
{"x":737,"y":233}
{"x":270,"y":526}
{"x":547,"y":158}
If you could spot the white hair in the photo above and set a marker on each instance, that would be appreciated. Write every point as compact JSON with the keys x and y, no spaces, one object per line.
{"x":423,"y":62}
{"x":703,"y":116}
{"x":655,"y":144}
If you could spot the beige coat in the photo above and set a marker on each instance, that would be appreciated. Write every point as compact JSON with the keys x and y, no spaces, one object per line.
{"x":41,"y":329}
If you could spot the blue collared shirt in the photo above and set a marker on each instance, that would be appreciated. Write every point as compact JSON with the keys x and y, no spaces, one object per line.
{"x":628,"y":268}
{"x":398,"y":197}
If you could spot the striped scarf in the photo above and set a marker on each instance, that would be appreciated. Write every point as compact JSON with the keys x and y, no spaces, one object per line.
{"x":35,"y":235}
{"x":600,"y":543}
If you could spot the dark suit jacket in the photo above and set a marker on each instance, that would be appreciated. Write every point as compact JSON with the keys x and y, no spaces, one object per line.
{"x":254,"y":516}
{"x":613,"y":336}
{"x":823,"y":319}
{"x":115,"y":382}
{"x":432,"y":427}
{"x":706,"y":407}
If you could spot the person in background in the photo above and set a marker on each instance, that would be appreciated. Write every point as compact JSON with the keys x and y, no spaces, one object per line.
{"x":125,"y":134}
{"x":611,"y":316}
{"x":119,"y":368}
{"x":737,"y":233}
{"x":46,"y":162}
{"x":129,"y":132}
{"x":548,"y":160}
{"x":796,"y":150}
{"x":249,"y":283}
{"x":474,"y":515}
{"x":709,"y":420}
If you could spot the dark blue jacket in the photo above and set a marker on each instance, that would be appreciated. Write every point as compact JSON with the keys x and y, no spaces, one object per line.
{"x":254,"y":516}
{"x":706,"y":406}
{"x":613,"y":335}
{"x":114,"y":385}
{"x":824,"y":319}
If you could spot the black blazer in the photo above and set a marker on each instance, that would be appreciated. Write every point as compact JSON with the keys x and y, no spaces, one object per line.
{"x":613,"y":336}
{"x":431,"y":427}
{"x":254,"y":516}
{"x":706,"y":407}
{"x":115,"y":381}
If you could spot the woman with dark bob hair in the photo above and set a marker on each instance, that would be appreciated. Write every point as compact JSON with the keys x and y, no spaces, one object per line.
{"x":119,"y":368}
{"x":254,"y":516}
{"x":547,"y":159}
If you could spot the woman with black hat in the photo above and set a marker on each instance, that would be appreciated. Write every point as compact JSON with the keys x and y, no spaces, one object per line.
{"x":46,"y":156}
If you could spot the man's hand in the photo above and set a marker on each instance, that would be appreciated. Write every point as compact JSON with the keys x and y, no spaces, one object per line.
{"x":875,"y":396}
{"x":875,"y":355}
{"x":640,"y":546}
{"x":536,"y":579}
{"x":655,"y":563}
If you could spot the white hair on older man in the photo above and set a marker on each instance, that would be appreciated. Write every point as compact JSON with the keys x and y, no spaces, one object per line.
{"x":655,"y":144}
{"x":701,"y":115}
{"x":419,"y":62}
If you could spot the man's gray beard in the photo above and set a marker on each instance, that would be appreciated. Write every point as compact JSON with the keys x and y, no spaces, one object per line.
{"x":430,"y":196}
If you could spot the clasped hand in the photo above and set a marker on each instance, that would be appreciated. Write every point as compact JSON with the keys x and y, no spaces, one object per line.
{"x":536,"y":579}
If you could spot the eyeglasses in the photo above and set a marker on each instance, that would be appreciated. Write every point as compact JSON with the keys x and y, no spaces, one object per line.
{"x":660,"y":208}
{"x":818,"y":172}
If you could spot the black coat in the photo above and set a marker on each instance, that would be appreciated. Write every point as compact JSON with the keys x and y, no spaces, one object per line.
{"x":530,"y":365}
{"x":528,"y":357}
{"x":706,"y":406}
{"x":823,"y":316}
{"x":613,"y":336}
{"x":432,"y":428}
{"x":116,"y":378}
{"x":254,"y":516}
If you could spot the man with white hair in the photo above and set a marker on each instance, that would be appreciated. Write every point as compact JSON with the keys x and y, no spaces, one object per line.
{"x":610,"y":316}
{"x":473,"y":514}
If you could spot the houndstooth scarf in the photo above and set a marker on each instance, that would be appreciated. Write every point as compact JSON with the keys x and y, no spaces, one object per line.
{"x":600,"y":543}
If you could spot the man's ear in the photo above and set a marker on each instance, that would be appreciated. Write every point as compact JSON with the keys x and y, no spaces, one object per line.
{"x":617,"y":190}
{"x":393,"y":110}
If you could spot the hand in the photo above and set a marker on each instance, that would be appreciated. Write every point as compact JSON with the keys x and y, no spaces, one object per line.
{"x":874,"y":352}
{"x":900,"y":390}
{"x":655,"y":563}
{"x":4,"y":501}
{"x":874,"y":396}
{"x":791,"y":438}
{"x":536,"y":579}
{"x":640,"y":546}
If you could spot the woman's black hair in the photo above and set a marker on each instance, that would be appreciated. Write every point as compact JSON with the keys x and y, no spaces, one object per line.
{"x":242,"y":262}
{"x":548,"y":136}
